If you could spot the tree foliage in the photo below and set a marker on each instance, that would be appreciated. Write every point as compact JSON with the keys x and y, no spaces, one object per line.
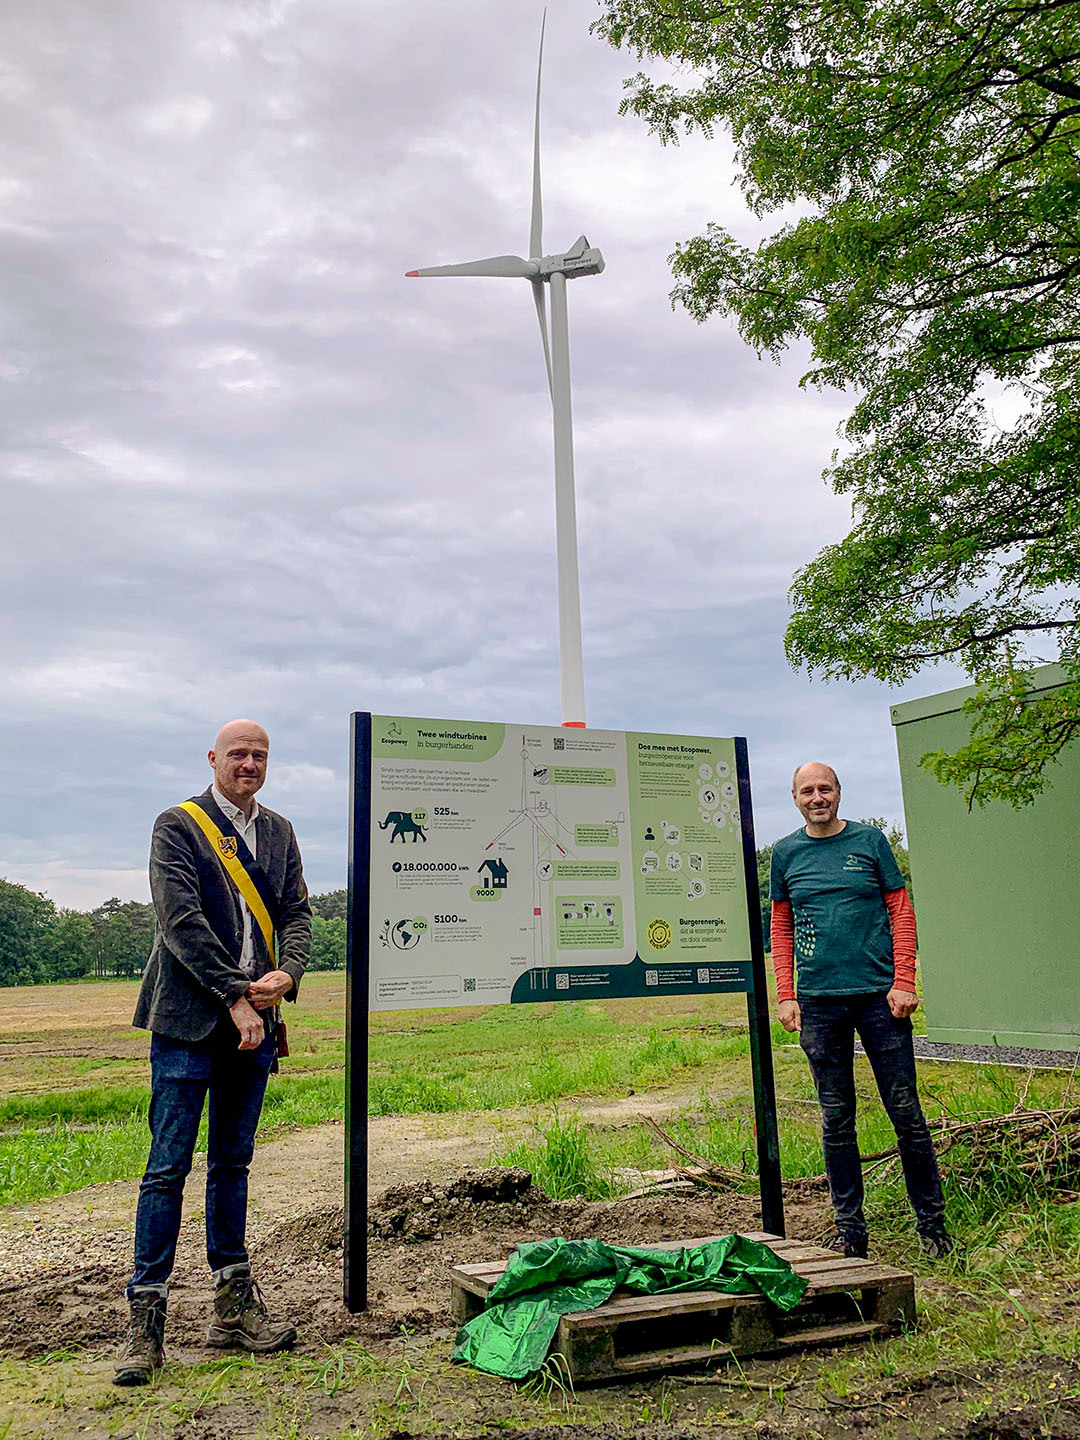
{"x":331,"y":905}
{"x":40,"y":943}
{"x":764,"y":866}
{"x":328,"y":943}
{"x":930,"y":150}
{"x":25,"y":918}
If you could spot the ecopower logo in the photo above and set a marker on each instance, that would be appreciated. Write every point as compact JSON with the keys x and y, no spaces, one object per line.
{"x":659,"y":933}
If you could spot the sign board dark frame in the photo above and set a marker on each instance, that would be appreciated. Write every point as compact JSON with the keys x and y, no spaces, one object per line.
{"x":357,"y":1017}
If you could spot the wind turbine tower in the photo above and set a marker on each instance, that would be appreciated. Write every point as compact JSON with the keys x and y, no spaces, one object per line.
{"x":552,"y":272}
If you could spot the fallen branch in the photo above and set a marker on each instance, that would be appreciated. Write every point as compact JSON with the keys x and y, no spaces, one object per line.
{"x":1039,"y":1144}
{"x":733,"y":1384}
{"x":701,"y":1171}
{"x":677,"y":1185}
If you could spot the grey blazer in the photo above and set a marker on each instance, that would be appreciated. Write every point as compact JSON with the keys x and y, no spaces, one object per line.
{"x":193,"y":973}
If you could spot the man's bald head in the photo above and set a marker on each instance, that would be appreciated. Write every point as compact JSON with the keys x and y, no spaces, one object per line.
{"x":233,"y":729}
{"x":814,"y":765}
{"x":238,"y":761}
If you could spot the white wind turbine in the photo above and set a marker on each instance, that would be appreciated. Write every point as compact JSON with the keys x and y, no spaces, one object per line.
{"x":554,"y":271}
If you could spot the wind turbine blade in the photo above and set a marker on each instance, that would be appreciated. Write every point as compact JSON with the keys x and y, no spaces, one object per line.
{"x":502,"y":265}
{"x":536,"y":229}
{"x":540,"y":297}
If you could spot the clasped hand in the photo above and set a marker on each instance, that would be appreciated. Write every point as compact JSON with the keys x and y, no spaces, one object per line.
{"x":261,"y":995}
{"x":269,"y":989}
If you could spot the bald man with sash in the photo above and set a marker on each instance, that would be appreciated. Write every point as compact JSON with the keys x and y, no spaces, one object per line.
{"x":233,"y":936}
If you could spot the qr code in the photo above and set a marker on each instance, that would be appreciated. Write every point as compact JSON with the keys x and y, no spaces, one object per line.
{"x":652,"y":977}
{"x":702,"y":976}
{"x":469,"y":986}
{"x":559,"y":743}
{"x":562,"y":982}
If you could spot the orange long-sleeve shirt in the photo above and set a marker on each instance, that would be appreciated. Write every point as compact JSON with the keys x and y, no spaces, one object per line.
{"x":904,"y":938}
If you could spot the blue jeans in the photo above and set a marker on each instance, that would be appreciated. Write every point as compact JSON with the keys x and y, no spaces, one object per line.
{"x":829,"y":1026}
{"x":182,"y":1075}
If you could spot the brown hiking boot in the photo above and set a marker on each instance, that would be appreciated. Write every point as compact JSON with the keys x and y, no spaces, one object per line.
{"x":241,"y":1318}
{"x":142,"y":1350}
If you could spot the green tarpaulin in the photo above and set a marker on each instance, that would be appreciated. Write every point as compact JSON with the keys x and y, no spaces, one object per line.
{"x":545,"y":1279}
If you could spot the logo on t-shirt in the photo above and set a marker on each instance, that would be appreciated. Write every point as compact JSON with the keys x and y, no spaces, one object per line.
{"x":860,"y":864}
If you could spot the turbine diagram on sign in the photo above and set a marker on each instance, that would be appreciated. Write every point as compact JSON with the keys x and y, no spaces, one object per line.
{"x":552,"y":271}
{"x":545,"y":825}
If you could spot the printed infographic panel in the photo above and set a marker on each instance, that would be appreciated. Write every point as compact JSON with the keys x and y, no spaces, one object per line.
{"x":529,"y":862}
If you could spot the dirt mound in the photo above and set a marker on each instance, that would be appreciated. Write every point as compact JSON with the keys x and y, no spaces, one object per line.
{"x":428,"y":1212}
{"x":416,"y":1233}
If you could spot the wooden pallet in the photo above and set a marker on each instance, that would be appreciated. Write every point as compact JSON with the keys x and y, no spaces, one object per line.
{"x":633,"y":1334}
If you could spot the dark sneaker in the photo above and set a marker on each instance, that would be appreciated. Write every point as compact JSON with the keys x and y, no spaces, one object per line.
{"x":852,"y":1247}
{"x":242,"y":1319}
{"x":142,"y":1350}
{"x":937,"y":1244}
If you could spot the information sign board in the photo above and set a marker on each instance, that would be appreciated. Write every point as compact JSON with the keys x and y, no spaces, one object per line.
{"x":493,"y":863}
{"x":517,"y":863}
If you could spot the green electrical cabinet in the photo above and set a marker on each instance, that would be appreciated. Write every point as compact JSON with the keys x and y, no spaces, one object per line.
{"x":997,"y":892}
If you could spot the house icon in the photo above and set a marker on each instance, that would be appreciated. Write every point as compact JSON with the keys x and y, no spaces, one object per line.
{"x":498,"y":874}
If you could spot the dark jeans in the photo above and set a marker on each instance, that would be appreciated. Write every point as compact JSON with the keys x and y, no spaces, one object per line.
{"x":829,"y":1026}
{"x":182,"y":1075}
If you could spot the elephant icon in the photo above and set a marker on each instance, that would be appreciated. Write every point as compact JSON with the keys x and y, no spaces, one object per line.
{"x":403,"y":824}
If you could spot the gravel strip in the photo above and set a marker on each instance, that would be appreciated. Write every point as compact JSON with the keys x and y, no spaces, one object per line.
{"x":992,"y":1055}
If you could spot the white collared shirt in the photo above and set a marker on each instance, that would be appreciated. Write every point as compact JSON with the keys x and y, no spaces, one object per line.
{"x":246,"y":830}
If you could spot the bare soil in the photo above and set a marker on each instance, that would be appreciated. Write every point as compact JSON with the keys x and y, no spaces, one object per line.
{"x":63,"y":1262}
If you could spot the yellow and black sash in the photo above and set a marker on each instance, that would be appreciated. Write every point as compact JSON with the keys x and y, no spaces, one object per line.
{"x":228,"y":847}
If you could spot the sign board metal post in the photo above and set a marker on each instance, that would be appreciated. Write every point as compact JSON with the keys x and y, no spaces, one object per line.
{"x":759,"y":1024}
{"x":357,"y":990}
{"x":529,"y":863}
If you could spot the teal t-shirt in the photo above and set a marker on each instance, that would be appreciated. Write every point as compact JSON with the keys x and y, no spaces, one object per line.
{"x":836,"y":886}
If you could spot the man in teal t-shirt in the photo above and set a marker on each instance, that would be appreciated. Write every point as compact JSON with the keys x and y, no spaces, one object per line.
{"x":841,"y":914}
{"x":843,"y":939}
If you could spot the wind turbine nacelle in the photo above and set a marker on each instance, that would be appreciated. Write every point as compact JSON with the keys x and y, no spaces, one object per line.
{"x":578,"y":260}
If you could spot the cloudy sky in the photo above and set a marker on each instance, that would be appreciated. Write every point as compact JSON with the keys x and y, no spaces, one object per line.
{"x":248,"y":468}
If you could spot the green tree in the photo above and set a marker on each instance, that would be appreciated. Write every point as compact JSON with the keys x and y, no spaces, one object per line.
{"x":123,"y":934}
{"x":67,"y":946}
{"x":25,"y":918}
{"x":143,"y":925}
{"x":328,"y":943}
{"x":99,"y":919}
{"x":119,"y":954}
{"x":930,"y":151}
{"x":333,"y":905}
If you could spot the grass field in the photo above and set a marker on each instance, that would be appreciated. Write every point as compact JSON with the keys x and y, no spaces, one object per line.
{"x":74,"y":1078}
{"x":74,"y":1081}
